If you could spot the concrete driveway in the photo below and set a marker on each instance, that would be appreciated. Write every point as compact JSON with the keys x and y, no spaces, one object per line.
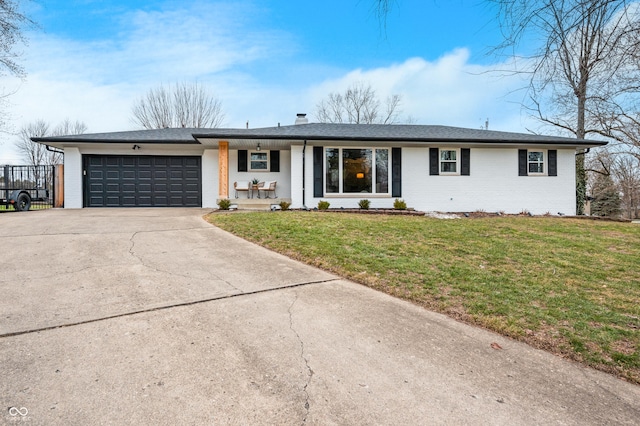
{"x":153,"y":316}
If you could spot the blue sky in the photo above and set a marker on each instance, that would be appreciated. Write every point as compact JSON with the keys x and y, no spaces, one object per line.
{"x":265,"y":60}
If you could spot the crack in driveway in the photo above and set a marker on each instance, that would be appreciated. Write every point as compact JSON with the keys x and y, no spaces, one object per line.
{"x":307,"y":406}
{"x":80,"y":233}
{"x":173,"y":305}
{"x":153,"y":268}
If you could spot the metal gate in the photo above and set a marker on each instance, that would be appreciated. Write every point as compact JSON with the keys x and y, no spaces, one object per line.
{"x":38,"y":181}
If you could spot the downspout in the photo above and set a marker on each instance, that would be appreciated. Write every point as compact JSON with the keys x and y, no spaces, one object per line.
{"x":304,"y":186}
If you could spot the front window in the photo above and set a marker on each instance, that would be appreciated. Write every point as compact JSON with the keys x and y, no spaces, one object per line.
{"x":259,"y":161}
{"x":535,"y":161}
{"x":356,"y":171}
{"x":382,"y":171}
{"x":448,"y":161}
{"x":333,"y":170}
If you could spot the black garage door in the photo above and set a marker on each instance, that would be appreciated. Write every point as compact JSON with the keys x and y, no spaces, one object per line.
{"x":142,"y":181}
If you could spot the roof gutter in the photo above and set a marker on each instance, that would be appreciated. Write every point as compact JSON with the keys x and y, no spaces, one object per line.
{"x":54,"y":150}
{"x":506,"y":141}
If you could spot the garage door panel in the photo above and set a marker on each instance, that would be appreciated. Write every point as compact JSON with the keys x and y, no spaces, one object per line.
{"x":112,"y":201}
{"x":128,"y":188}
{"x":129,"y":161}
{"x":142,"y":181}
{"x":111,"y":161}
{"x":144,"y":174}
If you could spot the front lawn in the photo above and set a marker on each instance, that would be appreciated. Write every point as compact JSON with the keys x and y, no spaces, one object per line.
{"x":565,"y":285}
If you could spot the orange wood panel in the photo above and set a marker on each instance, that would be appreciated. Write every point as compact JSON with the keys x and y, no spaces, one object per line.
{"x":223,"y":169}
{"x":59,"y":186}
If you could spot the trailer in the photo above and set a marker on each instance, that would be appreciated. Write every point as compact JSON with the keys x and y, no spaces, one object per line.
{"x":24,"y":186}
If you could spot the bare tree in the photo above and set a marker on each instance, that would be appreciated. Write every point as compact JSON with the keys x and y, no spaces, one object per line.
{"x":184,"y":105}
{"x":33,"y":153}
{"x":606,"y":196}
{"x":37,"y":154}
{"x":584,"y":60}
{"x":359,"y":104}
{"x":12,"y":21}
{"x":614,"y":179}
{"x":68,"y":127}
{"x":626,"y":172}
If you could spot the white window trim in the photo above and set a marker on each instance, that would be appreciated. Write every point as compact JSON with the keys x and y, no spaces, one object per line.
{"x":251,"y":169}
{"x":440,"y":161}
{"x":545,"y":163}
{"x":341,"y":193}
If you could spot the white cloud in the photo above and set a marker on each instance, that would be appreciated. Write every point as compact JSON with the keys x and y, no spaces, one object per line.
{"x":450,"y":91}
{"x":97,"y":82}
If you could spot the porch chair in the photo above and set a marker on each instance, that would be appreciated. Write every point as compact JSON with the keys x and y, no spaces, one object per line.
{"x":269,"y":187}
{"x":242,"y":186}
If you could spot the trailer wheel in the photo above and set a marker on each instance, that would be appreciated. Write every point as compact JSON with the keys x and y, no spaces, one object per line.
{"x":23,"y":203}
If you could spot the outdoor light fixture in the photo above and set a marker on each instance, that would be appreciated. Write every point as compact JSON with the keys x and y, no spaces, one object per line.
{"x":360,"y":175}
{"x":136,"y":147}
{"x":258,"y":147}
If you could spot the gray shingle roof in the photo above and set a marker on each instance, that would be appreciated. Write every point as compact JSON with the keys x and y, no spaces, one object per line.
{"x":325,"y":131}
{"x":179,"y":136}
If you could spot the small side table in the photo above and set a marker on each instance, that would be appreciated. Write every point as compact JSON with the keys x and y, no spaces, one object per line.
{"x":255,"y":188}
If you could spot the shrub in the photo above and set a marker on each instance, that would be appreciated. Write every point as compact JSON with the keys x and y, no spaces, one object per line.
{"x":224,"y":204}
{"x":364,"y":204}
{"x":399,"y":204}
{"x":323,"y":205}
{"x":284,"y":205}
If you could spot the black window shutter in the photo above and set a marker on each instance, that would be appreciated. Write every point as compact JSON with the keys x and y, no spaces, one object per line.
{"x":317,"y":171}
{"x":552,"y":155}
{"x":465,"y":162}
{"x":396,"y":172}
{"x":242,"y":160}
{"x":522,"y":162}
{"x":434,"y":168}
{"x":274,"y":161}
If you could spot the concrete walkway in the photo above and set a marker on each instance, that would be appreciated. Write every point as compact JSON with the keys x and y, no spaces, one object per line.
{"x":153,"y":316}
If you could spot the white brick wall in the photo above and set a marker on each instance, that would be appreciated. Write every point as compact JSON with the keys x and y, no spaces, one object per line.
{"x":493,"y":186}
{"x":296,"y":175}
{"x":72,"y":178}
{"x":283,"y":177}
{"x":210,"y":178}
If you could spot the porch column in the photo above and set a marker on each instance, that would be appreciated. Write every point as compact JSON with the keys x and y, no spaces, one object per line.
{"x":223,"y":169}
{"x":58,"y":185}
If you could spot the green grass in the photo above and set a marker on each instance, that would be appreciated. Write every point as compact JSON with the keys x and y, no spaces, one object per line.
{"x":4,"y":207}
{"x":569,"y":286}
